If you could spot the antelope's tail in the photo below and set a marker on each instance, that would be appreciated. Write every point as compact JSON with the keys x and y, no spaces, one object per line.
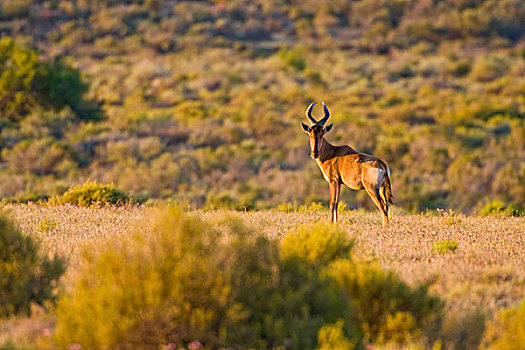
{"x":386,"y":194}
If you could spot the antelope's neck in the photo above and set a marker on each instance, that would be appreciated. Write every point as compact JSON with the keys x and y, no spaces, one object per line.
{"x":326,"y":151}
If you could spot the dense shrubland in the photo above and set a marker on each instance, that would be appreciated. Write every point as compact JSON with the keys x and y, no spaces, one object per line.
{"x":201,"y":101}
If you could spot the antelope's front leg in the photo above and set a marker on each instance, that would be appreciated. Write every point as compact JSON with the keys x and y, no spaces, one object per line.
{"x":333,"y":204}
{"x":336,"y":200}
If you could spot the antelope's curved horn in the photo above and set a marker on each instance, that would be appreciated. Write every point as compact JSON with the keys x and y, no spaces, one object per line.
{"x":309,"y":113}
{"x":326,"y":115}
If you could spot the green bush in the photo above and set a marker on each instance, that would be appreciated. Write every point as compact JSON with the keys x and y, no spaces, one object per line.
{"x":92,"y":194}
{"x":445,"y":246}
{"x":318,"y":245}
{"x":332,"y":337}
{"x":57,"y":85}
{"x":463,"y":329}
{"x":304,"y":254}
{"x":26,"y":82}
{"x":9,"y":345}
{"x":47,"y":225}
{"x":388,"y":310}
{"x":287,"y":207}
{"x":15,"y":8}
{"x":488,"y":68}
{"x":293,"y":58}
{"x":496,"y":207}
{"x":18,"y":66}
{"x":27,"y":275}
{"x":507,"y":330}
{"x":312,"y":207}
{"x":187,"y":279}
{"x":41,"y":157}
{"x":219,"y":201}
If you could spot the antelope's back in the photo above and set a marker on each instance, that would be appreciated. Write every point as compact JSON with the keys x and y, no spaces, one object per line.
{"x":355,"y":168}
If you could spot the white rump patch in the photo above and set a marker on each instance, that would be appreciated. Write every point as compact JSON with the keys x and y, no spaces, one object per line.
{"x":373,"y":175}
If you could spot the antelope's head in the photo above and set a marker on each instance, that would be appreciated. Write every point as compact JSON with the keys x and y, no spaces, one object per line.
{"x":317,"y":129}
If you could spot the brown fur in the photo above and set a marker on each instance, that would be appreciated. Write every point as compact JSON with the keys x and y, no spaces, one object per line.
{"x":344,"y":165}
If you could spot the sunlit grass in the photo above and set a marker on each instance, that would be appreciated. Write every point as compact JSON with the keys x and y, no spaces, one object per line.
{"x":488,"y":244}
{"x":484,"y":273}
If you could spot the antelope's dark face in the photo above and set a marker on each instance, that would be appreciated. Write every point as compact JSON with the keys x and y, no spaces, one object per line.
{"x":316,"y":133}
{"x":317,"y":130}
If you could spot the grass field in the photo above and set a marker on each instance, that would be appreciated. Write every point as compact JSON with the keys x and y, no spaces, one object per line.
{"x":473,"y":263}
{"x":487,"y":270}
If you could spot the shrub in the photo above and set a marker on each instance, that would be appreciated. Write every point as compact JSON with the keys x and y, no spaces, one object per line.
{"x":318,"y":245}
{"x":287,"y":207}
{"x":293,"y":58}
{"x":41,"y":157}
{"x":57,"y":85}
{"x":461,"y":68}
{"x":91,"y":194}
{"x":220,"y":201}
{"x":217,"y":282}
{"x":507,"y":330}
{"x":399,"y":328}
{"x":492,"y":207}
{"x":187,"y":279}
{"x":26,"y":274}
{"x":26,"y":82}
{"x":463,"y":329}
{"x":450,"y":218}
{"x":332,"y":337}
{"x":488,"y":68}
{"x":388,"y":310}
{"x":47,"y":225}
{"x":15,"y":8}
{"x":445,"y":246}
{"x":9,"y":345}
{"x":312,"y":207}
{"x":17,"y":70}
{"x":496,"y":207}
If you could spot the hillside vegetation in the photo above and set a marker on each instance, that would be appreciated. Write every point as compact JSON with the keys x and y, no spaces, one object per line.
{"x":200,"y":101}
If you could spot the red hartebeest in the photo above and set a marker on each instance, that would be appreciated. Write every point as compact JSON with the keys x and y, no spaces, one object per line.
{"x":344,"y":165}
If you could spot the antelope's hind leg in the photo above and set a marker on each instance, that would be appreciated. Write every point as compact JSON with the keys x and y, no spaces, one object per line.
{"x":373,"y":192}
{"x":384,"y":200}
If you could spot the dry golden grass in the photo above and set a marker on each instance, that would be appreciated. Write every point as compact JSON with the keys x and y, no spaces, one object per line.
{"x":486,"y":271}
{"x":64,"y":229}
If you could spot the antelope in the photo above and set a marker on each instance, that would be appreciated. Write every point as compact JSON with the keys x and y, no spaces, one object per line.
{"x":344,"y":165}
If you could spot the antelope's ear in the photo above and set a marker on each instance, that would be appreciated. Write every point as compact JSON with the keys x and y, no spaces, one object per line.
{"x":306,"y":128}
{"x":328,"y":128}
